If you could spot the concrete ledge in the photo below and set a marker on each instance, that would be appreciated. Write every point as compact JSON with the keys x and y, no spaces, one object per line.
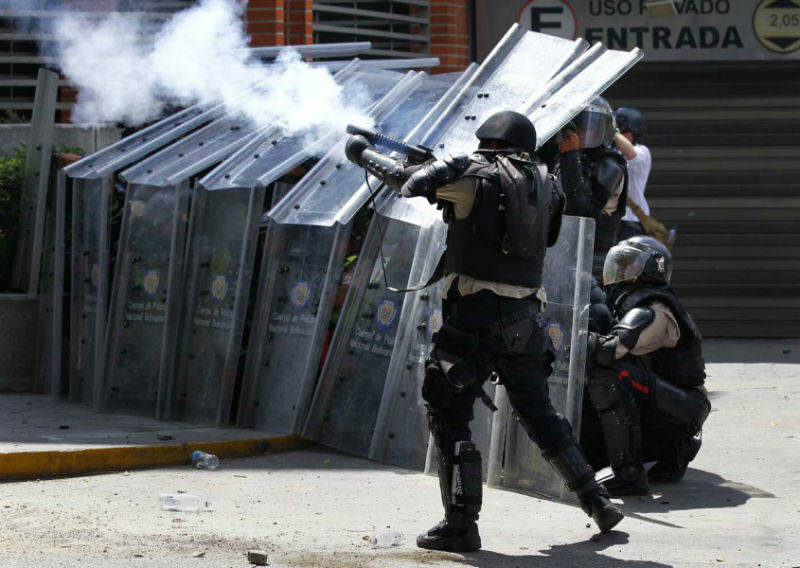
{"x":56,"y":463}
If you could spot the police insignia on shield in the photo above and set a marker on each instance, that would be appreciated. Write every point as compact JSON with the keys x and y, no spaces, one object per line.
{"x":219,"y":287}
{"x":386,"y":313}
{"x":300,"y":293}
{"x":150,"y":282}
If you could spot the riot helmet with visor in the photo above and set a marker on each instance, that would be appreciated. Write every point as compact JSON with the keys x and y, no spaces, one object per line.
{"x":594,"y":125}
{"x":639,"y":259}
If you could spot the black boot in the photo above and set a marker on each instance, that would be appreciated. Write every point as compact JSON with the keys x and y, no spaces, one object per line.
{"x":456,"y":533}
{"x":672,"y":467}
{"x":461,"y":485}
{"x":567,"y":459}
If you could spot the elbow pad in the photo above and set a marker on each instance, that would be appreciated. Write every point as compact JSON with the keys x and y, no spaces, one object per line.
{"x":426,"y":180}
{"x":631,"y":326}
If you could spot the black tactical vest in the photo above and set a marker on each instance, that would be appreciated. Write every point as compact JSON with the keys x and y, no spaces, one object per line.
{"x":683,"y":364}
{"x":607,"y":226}
{"x":504,"y":238}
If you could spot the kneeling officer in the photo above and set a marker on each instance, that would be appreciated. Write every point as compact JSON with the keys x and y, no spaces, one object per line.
{"x":646,"y":376}
{"x":502,"y":210}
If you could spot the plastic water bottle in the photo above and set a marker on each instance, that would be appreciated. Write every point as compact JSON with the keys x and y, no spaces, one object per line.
{"x":387,"y":539}
{"x":202,"y":460}
{"x":183,"y":502}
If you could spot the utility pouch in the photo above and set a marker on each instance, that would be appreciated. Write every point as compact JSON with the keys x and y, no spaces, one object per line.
{"x":452,"y":348}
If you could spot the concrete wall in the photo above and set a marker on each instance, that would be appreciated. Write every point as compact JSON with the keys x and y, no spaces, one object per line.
{"x":18,"y":340}
{"x":90,"y":138}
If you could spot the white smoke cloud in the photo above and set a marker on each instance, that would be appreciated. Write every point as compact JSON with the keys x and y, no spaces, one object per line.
{"x":125,"y":73}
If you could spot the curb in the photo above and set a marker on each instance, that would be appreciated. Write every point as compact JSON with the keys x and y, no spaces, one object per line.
{"x":36,"y":465}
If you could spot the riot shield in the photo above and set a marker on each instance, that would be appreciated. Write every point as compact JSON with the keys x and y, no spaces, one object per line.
{"x":515,"y":461}
{"x":300,"y":285}
{"x":147,"y":271}
{"x":143,"y":315}
{"x":221,"y":252}
{"x":92,"y":180}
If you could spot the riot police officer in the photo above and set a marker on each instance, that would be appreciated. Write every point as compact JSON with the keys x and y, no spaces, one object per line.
{"x":502,"y":210}
{"x":646,"y":375}
{"x":594,"y":177}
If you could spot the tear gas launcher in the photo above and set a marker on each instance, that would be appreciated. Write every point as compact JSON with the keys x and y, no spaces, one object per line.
{"x":416,"y":154}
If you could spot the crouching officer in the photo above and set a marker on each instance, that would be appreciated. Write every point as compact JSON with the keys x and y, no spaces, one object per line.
{"x":646,"y":376}
{"x":594,"y":177}
{"x":502,"y":210}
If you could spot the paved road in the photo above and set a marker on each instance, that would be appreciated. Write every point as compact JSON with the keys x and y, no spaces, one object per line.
{"x":738,"y":505}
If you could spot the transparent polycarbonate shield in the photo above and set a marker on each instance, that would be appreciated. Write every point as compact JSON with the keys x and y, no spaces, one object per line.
{"x":89,"y":282}
{"x":93,"y":180}
{"x":517,"y":463}
{"x":348,"y":396}
{"x":140,"y":342}
{"x":272,"y":400}
{"x":574,"y":87}
{"x":142,"y":321}
{"x":220,"y":257}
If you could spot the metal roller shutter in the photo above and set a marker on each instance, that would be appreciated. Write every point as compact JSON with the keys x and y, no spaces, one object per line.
{"x":726,"y":170}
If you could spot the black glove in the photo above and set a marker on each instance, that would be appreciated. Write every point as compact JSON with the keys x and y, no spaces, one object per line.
{"x":355,"y":147}
{"x":601,"y":350}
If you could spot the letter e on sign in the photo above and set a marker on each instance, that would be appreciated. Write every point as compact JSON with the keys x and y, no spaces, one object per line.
{"x":554,"y":17}
{"x":777,"y":25}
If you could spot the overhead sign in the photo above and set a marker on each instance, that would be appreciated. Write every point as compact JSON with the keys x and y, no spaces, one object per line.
{"x":699,"y":30}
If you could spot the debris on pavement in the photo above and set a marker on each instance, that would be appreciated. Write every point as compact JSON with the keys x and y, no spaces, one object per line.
{"x":388,"y":539}
{"x":257,"y":557}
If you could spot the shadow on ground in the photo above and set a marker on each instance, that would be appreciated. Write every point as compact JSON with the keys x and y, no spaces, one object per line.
{"x":586,"y":554}
{"x":698,"y":490}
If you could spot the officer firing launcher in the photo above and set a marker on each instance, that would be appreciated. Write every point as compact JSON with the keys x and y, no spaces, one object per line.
{"x":416,"y":154}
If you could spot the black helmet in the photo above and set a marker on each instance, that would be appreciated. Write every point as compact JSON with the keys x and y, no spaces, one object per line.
{"x":511,"y":128}
{"x":595,"y":124}
{"x":631,"y":120}
{"x":639,"y":259}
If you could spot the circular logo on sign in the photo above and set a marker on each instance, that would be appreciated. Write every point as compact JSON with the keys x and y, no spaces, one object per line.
{"x":554,"y":17}
{"x":387,"y":311}
{"x":301,"y":291}
{"x":219,"y":287}
{"x":150,"y":282}
{"x":556,"y":334}
{"x":777,"y":25}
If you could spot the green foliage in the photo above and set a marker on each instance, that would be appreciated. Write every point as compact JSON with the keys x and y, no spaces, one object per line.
{"x":12,"y":166}
{"x":63,"y":149}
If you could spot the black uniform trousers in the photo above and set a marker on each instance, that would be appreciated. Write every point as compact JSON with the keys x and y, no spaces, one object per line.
{"x":658,"y":433}
{"x":522,"y":364}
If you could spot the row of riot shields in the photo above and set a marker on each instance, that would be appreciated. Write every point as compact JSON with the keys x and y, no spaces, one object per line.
{"x":221,"y":254}
{"x":307,"y":244}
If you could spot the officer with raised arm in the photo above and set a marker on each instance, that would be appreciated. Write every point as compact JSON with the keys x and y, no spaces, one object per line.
{"x":502,"y":210}
{"x":594,"y":176}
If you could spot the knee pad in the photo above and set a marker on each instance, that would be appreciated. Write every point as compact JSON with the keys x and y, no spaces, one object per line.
{"x":604,"y":389}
